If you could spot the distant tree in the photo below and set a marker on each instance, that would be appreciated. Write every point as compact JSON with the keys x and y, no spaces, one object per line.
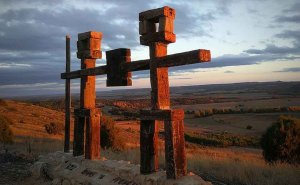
{"x":3,"y":102}
{"x":6,"y":134}
{"x":209,"y":112}
{"x":249,"y":127}
{"x":110,"y":134}
{"x":54,"y":128}
{"x":281,"y":142}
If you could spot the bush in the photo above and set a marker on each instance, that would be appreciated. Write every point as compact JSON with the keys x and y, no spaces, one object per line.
{"x":249,"y":127}
{"x":6,"y":135}
{"x":3,"y":102}
{"x":54,"y":128}
{"x":281,"y":142}
{"x":203,"y":113}
{"x":221,"y":140}
{"x":110,"y":135}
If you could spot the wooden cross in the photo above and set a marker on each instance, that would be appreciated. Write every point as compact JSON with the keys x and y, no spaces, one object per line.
{"x":156,"y":28}
{"x":118,"y":70}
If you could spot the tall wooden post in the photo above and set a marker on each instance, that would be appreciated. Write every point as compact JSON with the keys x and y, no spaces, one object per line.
{"x":160,"y":100}
{"x":88,"y":115}
{"x":67,"y":97}
{"x":160,"y":97}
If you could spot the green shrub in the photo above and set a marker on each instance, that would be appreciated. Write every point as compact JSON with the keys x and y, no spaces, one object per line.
{"x":54,"y":128}
{"x":281,"y":142}
{"x":6,"y":134}
{"x":110,"y":135}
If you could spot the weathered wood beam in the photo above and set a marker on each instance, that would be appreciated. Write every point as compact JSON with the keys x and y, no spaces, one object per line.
{"x":149,"y":146}
{"x":67,"y":97}
{"x":92,"y":130}
{"x":169,"y":114}
{"x":156,"y":13}
{"x":179,"y":59}
{"x":175,"y":149}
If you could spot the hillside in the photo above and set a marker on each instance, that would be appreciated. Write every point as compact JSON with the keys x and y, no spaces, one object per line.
{"x":29,"y":120}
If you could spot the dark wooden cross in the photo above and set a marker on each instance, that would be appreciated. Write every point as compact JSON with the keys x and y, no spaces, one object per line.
{"x":156,"y":30}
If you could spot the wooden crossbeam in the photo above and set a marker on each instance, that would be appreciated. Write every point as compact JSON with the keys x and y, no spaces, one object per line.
{"x":175,"y":114}
{"x":179,"y":59}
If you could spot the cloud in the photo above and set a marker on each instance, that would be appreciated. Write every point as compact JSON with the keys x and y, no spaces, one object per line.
{"x":288,"y":19}
{"x":13,"y":65}
{"x":32,"y":34}
{"x":290,"y":34}
{"x":293,"y":69}
{"x":290,"y":15}
{"x":294,"y":8}
{"x":281,"y":51}
{"x":273,"y":49}
{"x":228,"y":71}
{"x":182,"y":78}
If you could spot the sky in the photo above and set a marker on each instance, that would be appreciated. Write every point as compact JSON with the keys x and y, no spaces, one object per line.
{"x":250,"y":41}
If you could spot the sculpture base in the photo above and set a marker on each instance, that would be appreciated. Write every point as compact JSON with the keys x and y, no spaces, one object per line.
{"x":63,"y":168}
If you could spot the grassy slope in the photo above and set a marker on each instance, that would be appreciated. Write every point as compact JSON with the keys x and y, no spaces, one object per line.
{"x":230,"y":165}
{"x":28,"y":127}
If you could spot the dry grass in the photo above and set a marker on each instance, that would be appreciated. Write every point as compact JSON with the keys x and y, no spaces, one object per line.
{"x":231,"y":166}
{"x":35,"y":146}
{"x":245,"y":171}
{"x":29,"y":120}
{"x":228,"y":165}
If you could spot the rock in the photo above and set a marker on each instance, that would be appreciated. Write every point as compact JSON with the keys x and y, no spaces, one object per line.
{"x":66,"y":182}
{"x":42,"y":170}
{"x":68,"y":170}
{"x":36,"y":169}
{"x":56,"y":181}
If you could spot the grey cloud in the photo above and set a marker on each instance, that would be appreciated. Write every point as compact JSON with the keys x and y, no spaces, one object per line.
{"x":32,"y":32}
{"x":293,"y":69}
{"x":35,"y":36}
{"x":294,"y":8}
{"x":290,"y":34}
{"x":281,"y":51}
{"x":273,"y":49}
{"x":228,"y":71}
{"x":233,"y":60}
{"x":288,"y":19}
{"x":48,"y":30}
{"x":182,"y":78}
